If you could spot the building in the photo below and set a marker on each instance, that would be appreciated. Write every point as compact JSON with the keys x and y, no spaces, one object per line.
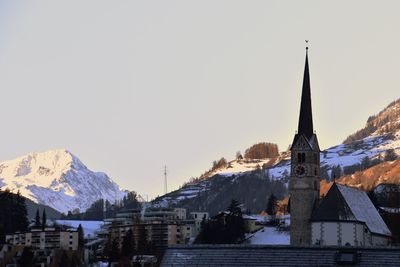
{"x":344,"y":228}
{"x":47,"y":239}
{"x":162,"y":226}
{"x":260,"y":255}
{"x":305,"y":169}
{"x":346,"y":216}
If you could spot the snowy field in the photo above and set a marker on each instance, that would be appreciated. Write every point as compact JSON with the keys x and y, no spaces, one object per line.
{"x":89,"y":227}
{"x":269,"y":236}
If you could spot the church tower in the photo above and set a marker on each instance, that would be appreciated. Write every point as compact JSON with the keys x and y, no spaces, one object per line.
{"x":305,"y":170}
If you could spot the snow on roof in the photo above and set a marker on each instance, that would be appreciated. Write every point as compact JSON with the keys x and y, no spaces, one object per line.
{"x":363,"y":209}
{"x":248,"y":217}
{"x":269,"y":236}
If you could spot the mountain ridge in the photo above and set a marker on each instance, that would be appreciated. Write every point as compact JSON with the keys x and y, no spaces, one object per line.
{"x":57,"y":178}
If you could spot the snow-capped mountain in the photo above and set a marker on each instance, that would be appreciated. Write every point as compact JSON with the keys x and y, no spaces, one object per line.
{"x":381,"y":134}
{"x":58,"y":179}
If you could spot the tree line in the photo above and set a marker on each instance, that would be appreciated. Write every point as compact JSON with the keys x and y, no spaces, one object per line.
{"x":96,"y":211}
{"x":13,"y":213}
{"x":262,"y":151}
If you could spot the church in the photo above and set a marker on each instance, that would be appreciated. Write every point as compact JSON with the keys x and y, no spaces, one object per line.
{"x":343,"y":228}
{"x":345,"y":216}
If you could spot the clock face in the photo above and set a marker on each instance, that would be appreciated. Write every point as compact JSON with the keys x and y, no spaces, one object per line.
{"x":300,"y":170}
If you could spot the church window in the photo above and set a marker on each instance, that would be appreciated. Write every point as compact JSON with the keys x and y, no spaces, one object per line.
{"x":315,"y":158}
{"x":301,"y":157}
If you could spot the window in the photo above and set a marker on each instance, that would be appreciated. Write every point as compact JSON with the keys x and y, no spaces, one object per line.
{"x":301,"y":157}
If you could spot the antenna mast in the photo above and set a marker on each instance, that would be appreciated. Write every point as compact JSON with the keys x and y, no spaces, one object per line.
{"x":165,"y":179}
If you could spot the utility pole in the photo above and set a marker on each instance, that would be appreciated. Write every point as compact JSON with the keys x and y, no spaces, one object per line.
{"x":165,"y":180}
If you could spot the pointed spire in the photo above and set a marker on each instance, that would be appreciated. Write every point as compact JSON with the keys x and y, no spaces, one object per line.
{"x":305,"y":119}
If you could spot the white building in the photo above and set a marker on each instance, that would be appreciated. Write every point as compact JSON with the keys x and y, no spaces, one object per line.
{"x":347,"y":217}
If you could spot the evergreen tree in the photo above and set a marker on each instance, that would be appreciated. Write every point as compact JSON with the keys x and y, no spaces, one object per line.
{"x":272,"y":205}
{"x":365,"y":163}
{"x":225,"y":228}
{"x":390,"y":155}
{"x":13,"y":214}
{"x":37,"y":219}
{"x":21,"y":214}
{"x":81,"y":237}
{"x":235,"y":223}
{"x":44,"y":220}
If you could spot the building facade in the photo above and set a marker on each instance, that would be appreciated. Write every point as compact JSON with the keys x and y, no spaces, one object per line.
{"x":347,"y":217}
{"x":49,"y":238}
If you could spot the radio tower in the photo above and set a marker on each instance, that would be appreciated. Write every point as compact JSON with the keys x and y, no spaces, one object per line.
{"x":165,"y":179}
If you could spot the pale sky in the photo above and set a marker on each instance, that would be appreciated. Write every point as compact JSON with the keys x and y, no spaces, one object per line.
{"x":129,"y":86}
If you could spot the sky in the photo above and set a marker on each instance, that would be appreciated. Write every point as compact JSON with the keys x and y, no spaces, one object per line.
{"x":131,"y":86}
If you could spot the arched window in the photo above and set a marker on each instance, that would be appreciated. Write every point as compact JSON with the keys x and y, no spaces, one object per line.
{"x":299,"y":157}
{"x":303,"y":157}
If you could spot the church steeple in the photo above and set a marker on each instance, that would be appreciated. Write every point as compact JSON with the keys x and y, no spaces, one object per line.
{"x":304,"y":171}
{"x":305,"y":120}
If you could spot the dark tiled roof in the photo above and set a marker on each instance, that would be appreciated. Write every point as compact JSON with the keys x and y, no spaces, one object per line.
{"x":253,"y":255}
{"x":343,"y":203}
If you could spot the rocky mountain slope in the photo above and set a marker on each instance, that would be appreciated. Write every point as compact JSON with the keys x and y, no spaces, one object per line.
{"x":386,"y":172}
{"x":58,"y":179}
{"x":367,"y":147}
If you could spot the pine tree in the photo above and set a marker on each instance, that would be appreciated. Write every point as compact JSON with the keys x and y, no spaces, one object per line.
{"x":234,"y":208}
{"x":44,"y":220}
{"x":80,"y":236}
{"x":390,"y":155}
{"x":272,"y":205}
{"x":21,"y":216}
{"x":37,"y":219}
{"x":234,"y":223}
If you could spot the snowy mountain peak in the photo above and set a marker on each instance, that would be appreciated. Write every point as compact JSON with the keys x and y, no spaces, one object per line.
{"x":58,"y":179}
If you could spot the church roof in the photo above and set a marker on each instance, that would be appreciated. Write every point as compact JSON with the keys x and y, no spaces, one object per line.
{"x":305,"y":120}
{"x":311,"y":142}
{"x":343,"y":203}
{"x":264,"y":255}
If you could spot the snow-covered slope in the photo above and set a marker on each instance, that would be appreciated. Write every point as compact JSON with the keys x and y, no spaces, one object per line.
{"x":58,"y":179}
{"x":380,"y":134}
